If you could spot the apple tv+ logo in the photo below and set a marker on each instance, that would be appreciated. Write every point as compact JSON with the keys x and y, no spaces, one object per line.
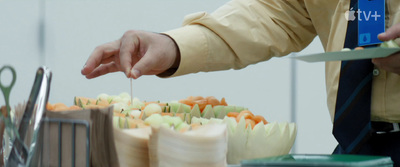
{"x":350,"y":15}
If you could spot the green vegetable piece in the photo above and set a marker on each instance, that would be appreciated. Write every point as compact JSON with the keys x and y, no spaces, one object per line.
{"x":221,"y":114}
{"x":174,"y":107}
{"x":195,"y":111}
{"x":188,"y":118}
{"x":180,"y":109}
{"x":208,"y":112}
{"x":238,"y":109}
{"x":229,"y":109}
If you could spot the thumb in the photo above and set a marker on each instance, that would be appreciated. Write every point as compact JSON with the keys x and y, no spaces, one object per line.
{"x":143,"y":66}
{"x":392,"y":33}
{"x":385,"y":36}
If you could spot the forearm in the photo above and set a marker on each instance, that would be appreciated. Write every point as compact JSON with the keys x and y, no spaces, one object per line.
{"x":237,"y":35}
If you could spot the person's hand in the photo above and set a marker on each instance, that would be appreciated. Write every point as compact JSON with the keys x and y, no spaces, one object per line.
{"x":136,"y":53}
{"x":392,"y":62}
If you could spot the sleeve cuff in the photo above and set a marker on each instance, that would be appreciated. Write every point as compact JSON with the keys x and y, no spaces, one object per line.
{"x":193,"y":48}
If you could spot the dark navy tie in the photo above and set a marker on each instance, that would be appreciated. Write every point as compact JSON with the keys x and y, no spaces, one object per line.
{"x":352,"y":122}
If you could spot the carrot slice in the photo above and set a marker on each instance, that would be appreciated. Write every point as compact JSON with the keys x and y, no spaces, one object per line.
{"x":74,"y":107}
{"x":187,"y":102}
{"x":246,"y":111}
{"x":102,"y":102}
{"x":259,"y":118}
{"x":213,"y":101}
{"x":246,"y":114}
{"x":198,"y":98}
{"x":232,"y":114}
{"x":60,"y":107}
{"x":49,"y":107}
{"x":202,"y":104}
{"x":223,"y":102}
{"x":250,"y":122}
{"x":163,"y":114}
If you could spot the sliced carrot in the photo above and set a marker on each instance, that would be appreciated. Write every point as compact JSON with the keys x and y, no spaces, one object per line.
{"x":163,"y":114}
{"x":198,"y":98}
{"x":102,"y":102}
{"x":162,"y":104}
{"x":232,"y":114}
{"x":201,"y":101}
{"x":223,"y":102}
{"x":202,"y":104}
{"x":201,"y":107}
{"x":49,"y":107}
{"x":60,"y":107}
{"x":246,"y":114}
{"x":247,"y":111}
{"x":74,"y":107}
{"x":259,"y":118}
{"x":150,"y":102}
{"x":190,"y":98}
{"x":213,"y":101}
{"x":250,"y":122}
{"x":187,"y":102}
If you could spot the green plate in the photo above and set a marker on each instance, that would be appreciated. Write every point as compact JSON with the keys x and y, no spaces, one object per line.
{"x":308,"y":160}
{"x":367,"y":53}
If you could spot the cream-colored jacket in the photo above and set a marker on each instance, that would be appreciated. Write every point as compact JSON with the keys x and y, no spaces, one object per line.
{"x":244,"y":32}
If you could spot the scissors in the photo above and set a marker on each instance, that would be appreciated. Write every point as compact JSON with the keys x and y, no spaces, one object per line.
{"x":7,"y":89}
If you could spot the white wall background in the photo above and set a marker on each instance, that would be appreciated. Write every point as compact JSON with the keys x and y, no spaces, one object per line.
{"x":72,"y":29}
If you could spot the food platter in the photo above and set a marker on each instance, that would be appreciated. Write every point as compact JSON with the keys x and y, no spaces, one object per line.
{"x":120,"y":130}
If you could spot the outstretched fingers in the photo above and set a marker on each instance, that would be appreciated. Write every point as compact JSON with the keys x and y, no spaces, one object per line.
{"x":102,"y":54}
{"x":102,"y":70}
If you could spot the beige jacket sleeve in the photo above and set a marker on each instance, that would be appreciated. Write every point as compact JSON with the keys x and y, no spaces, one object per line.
{"x":240,"y":33}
